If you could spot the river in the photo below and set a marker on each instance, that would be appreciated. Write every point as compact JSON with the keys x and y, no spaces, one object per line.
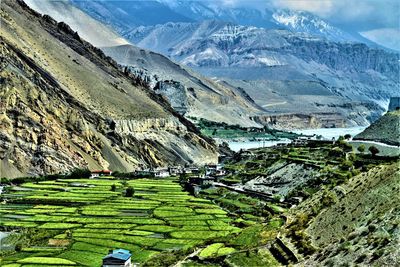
{"x":2,"y":236}
{"x":329,"y":133}
{"x":326,"y":133}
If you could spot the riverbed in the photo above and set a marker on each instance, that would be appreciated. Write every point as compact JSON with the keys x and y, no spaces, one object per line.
{"x":236,"y":146}
{"x":326,"y":133}
{"x":329,"y":133}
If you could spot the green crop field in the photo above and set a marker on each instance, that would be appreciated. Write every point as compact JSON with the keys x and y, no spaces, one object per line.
{"x":74,"y":222}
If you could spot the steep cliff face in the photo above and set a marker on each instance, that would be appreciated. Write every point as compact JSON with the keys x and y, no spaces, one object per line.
{"x":64,"y":104}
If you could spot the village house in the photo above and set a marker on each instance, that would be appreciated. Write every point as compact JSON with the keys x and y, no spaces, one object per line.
{"x":118,"y":258}
{"x":161,"y":173}
{"x":175,"y":171}
{"x":215,"y":170}
{"x":191,"y":170}
{"x":98,"y":173}
{"x":202,"y":180}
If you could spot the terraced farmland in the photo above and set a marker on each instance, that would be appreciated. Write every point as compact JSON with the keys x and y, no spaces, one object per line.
{"x":76,"y":221}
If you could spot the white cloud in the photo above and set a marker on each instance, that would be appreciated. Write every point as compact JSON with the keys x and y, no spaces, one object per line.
{"x":388,"y":37}
{"x":322,"y":8}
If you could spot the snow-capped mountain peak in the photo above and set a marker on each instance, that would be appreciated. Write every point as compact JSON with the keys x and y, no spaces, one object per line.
{"x":301,"y":21}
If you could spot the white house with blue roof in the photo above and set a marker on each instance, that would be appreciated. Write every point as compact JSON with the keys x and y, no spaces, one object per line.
{"x":118,"y":258}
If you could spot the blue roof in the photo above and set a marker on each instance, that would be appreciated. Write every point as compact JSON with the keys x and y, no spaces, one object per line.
{"x":121,"y":254}
{"x":120,"y":250}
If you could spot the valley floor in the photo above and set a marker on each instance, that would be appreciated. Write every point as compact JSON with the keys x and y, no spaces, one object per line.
{"x":275,"y":206}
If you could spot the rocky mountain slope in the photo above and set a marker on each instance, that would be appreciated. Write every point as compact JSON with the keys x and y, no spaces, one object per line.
{"x":360,"y":225}
{"x":302,"y":81}
{"x":64,"y":104}
{"x":385,"y":130}
{"x":356,"y":75}
{"x":125,"y":16}
{"x":188,"y":92}
{"x":89,"y":29}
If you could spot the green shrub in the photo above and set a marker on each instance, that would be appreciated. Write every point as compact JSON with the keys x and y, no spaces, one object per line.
{"x":361,"y":148}
{"x":373,"y":150}
{"x":129,"y":191}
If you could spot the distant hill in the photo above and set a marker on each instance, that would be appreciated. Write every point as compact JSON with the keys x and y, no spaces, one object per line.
{"x":385,"y":130}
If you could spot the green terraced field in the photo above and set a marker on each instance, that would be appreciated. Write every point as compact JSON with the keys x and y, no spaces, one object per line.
{"x":83,"y":219}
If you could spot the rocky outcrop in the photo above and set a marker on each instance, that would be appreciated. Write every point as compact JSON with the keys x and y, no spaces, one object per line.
{"x":302,"y":121}
{"x":176,"y":93}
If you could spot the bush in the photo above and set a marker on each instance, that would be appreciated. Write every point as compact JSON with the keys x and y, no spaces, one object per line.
{"x":336,"y":152}
{"x":352,"y":156}
{"x":79,"y":173}
{"x":373,"y":150}
{"x":346,"y":165}
{"x":18,"y":247}
{"x":328,"y":198}
{"x":129,"y":192}
{"x":361,"y":148}
{"x":113,"y":187}
{"x":347,"y":147}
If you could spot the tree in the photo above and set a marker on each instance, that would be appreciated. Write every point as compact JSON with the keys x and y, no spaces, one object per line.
{"x":347,"y":136}
{"x":129,"y":191}
{"x":18,"y":247}
{"x":346,"y":165}
{"x":351,"y":156}
{"x":336,"y":152}
{"x":79,"y":174}
{"x":361,"y":148}
{"x":113,"y":187}
{"x":374,"y":150}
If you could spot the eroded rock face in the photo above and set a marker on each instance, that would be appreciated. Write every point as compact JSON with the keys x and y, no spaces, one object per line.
{"x":133,"y":127}
{"x":34,"y":139}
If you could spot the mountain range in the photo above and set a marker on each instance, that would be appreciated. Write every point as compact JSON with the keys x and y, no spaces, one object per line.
{"x":306,"y":65}
{"x":125,"y":15}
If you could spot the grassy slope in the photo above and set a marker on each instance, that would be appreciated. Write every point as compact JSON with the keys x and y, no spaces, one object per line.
{"x":360,"y":227}
{"x":385,"y":130}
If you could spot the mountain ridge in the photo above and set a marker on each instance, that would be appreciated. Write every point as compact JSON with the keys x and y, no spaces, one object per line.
{"x":349,"y":70}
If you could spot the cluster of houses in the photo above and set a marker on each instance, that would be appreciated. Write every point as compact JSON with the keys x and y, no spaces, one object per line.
{"x":167,"y":172}
{"x":208,"y":170}
{"x":99,"y":173}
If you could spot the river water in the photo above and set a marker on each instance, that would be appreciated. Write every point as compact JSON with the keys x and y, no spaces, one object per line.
{"x":329,"y":133}
{"x":2,"y":236}
{"x":326,"y":133}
